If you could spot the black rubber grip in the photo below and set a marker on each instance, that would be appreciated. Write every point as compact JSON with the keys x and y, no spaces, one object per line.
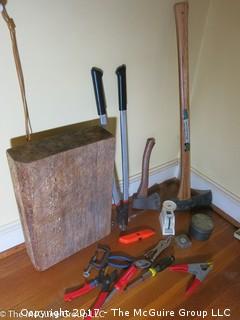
{"x":164,"y":263}
{"x":122,"y":87}
{"x":98,"y":90}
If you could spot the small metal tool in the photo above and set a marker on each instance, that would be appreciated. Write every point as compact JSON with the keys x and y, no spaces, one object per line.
{"x":183,"y":241}
{"x":155,"y":252}
{"x":153,"y":271}
{"x":98,"y":261}
{"x":103,"y":257}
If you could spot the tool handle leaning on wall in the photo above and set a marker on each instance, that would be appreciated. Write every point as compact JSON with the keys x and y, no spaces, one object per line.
{"x":99,"y":94}
{"x":122,"y":95}
{"x":101,"y":108}
{"x":143,"y":187}
{"x":181,"y":18}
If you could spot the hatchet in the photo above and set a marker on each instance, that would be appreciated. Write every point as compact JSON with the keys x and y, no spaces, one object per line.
{"x":141,"y":199}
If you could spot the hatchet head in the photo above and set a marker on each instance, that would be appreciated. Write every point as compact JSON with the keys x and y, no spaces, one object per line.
{"x":151,"y":202}
{"x":203,"y":198}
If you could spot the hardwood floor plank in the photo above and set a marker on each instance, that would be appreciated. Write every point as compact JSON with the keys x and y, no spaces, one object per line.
{"x":24,"y":287}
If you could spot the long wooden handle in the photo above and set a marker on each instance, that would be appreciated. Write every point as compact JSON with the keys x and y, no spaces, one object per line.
{"x":181,"y":18}
{"x":143,"y":187}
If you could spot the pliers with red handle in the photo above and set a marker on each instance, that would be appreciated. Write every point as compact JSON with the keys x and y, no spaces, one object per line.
{"x":199,"y":270}
{"x":127,"y":276}
{"x":106,"y":285}
{"x":87,"y":287}
{"x":105,"y":280}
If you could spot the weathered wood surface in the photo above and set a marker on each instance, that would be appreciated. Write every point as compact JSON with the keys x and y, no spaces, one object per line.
{"x":63,"y":191}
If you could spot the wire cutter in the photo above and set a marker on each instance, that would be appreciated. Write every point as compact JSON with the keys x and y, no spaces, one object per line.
{"x":149,"y":257}
{"x":199,"y":270}
{"x":105,"y":280}
{"x":106,"y":283}
{"x":127,"y":275}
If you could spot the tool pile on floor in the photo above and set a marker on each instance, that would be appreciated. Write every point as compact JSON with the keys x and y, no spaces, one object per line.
{"x":121,"y":272}
{"x":50,"y":178}
{"x":118,"y":273}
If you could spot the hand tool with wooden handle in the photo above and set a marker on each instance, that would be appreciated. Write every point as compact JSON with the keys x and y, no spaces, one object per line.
{"x":181,"y":16}
{"x":141,"y":200}
{"x":184,"y":200}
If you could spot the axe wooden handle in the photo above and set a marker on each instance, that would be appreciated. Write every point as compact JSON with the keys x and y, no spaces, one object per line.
{"x":143,"y":187}
{"x":181,"y":18}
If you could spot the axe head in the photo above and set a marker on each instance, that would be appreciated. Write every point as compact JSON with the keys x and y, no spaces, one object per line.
{"x":151,"y":202}
{"x":201,"y":200}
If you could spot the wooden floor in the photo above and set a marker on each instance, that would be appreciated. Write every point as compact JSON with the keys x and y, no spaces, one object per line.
{"x":21,"y":287}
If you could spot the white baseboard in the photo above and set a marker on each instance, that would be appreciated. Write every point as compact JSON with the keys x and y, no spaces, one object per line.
{"x":157,"y":174}
{"x":222,"y":198}
{"x":12,"y":235}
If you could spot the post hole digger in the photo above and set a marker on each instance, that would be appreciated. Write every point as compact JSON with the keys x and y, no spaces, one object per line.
{"x":184,"y":200}
{"x":121,"y":205}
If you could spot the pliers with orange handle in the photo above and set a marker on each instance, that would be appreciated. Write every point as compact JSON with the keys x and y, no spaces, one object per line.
{"x":199,"y":270}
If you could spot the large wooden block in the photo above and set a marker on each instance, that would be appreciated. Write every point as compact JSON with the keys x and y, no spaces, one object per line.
{"x":63,"y":190}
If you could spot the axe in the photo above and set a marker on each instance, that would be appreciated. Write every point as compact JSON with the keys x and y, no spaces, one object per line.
{"x":203,"y":198}
{"x":141,"y":199}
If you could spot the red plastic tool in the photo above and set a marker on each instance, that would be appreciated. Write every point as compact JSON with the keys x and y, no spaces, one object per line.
{"x":105,"y":281}
{"x":97,"y":305}
{"x":87,"y":287}
{"x":127,"y":276}
{"x":136,"y":236}
{"x":199,"y":270}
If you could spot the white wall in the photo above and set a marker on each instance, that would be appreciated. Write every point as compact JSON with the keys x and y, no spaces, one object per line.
{"x":59,"y":42}
{"x":216,"y":99}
